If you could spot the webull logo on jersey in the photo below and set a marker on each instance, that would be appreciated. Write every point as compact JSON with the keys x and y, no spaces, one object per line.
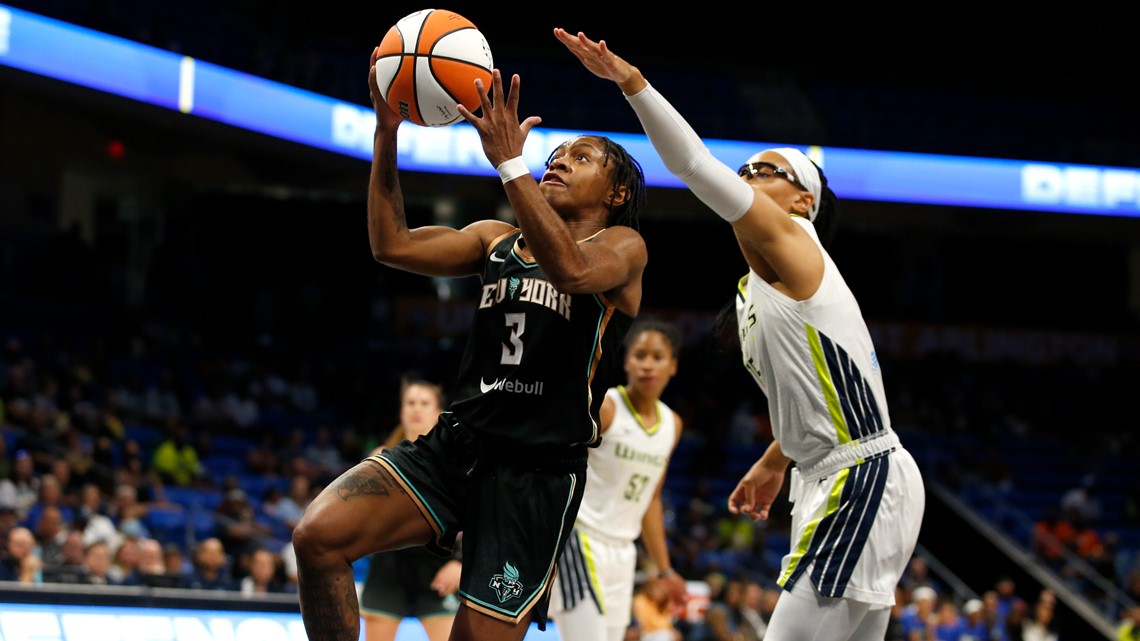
{"x":506,"y":385}
{"x":525,"y":290}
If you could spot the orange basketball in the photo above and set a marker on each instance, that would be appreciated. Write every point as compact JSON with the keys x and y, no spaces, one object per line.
{"x":428,"y":64}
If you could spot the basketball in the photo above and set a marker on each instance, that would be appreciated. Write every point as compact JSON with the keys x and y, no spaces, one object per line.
{"x":428,"y":63}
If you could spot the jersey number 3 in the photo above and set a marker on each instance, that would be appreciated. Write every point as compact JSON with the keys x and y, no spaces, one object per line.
{"x":513,"y":348}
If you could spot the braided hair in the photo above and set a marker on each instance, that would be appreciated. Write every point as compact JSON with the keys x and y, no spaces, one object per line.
{"x":626,"y":173}
{"x":827,"y":220}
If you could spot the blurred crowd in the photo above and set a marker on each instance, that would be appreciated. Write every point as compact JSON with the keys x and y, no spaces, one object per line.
{"x":133,"y":466}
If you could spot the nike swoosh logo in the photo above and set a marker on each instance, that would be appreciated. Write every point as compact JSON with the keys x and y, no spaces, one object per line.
{"x":487,"y":387}
{"x":496,"y":259}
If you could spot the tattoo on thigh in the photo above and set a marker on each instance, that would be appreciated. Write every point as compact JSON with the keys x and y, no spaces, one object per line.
{"x":365,"y":482}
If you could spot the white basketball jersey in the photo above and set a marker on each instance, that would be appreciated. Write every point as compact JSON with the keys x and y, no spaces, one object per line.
{"x":625,"y":469}
{"x":814,"y":360}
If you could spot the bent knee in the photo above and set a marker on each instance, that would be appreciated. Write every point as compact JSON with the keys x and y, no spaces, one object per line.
{"x":313,"y":537}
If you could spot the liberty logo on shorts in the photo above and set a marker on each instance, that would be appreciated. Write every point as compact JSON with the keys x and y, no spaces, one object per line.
{"x":507,"y":584}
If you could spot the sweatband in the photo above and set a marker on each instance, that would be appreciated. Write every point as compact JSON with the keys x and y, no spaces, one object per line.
{"x":511,"y":169}
{"x":687,"y":157}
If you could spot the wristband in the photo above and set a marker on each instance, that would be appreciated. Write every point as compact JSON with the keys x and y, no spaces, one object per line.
{"x":666,"y":572}
{"x":511,"y":169}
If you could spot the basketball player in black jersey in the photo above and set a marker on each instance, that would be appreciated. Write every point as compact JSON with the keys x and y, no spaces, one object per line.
{"x":506,"y":463}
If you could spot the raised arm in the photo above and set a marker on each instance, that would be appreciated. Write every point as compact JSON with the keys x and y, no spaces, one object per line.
{"x":432,"y":250}
{"x":611,"y":261}
{"x":772,"y":243}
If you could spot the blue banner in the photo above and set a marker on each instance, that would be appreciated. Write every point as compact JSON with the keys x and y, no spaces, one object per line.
{"x":106,"y":63}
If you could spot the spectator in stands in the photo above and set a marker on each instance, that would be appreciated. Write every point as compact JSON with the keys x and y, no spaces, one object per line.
{"x":51,"y":495}
{"x":262,"y":458}
{"x":263,"y":576}
{"x":1083,"y":501}
{"x":9,"y":518}
{"x":1052,"y":535}
{"x":175,"y":459}
{"x":948,"y":622}
{"x":175,"y":561}
{"x":238,"y":528}
{"x":91,"y":514}
{"x":1014,"y":621}
{"x":1040,"y":626}
{"x":291,"y":507}
{"x":211,"y":567}
{"x":125,"y":560}
{"x":1007,"y":598}
{"x":756,"y":607}
{"x":723,"y":620}
{"x":918,"y":574}
{"x":151,"y":568}
{"x":26,"y":482}
{"x":653,"y":612}
{"x":918,"y":618}
{"x":974,"y":625}
{"x":324,"y":454}
{"x":50,"y":535}
{"x":97,"y":564}
{"x":70,"y":567}
{"x":128,"y":512}
{"x":21,"y":561}
{"x":1129,"y":628}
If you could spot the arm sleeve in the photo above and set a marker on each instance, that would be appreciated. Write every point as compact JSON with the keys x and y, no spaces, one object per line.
{"x":687,"y":157}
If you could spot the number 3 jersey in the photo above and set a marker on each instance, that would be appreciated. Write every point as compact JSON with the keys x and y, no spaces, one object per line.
{"x":538,"y":362}
{"x":625,"y":468}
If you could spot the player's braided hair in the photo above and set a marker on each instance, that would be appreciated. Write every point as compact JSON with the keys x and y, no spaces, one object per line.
{"x":626,"y":173}
{"x":827,"y":220}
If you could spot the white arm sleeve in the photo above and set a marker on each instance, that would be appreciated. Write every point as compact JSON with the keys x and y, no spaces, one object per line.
{"x":687,"y":157}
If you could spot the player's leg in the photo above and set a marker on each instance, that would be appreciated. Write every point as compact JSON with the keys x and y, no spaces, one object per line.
{"x":362,"y":511}
{"x":380,"y":628}
{"x":438,"y":628}
{"x":805,"y":615}
{"x":578,"y":594}
{"x":471,"y":625}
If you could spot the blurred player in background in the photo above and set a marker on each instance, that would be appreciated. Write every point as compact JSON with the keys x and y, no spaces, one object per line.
{"x":858,"y":495}
{"x":506,"y":463}
{"x":412,"y":582}
{"x":593,"y":599}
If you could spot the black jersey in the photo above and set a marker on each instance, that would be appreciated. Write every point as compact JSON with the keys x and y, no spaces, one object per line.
{"x":538,"y":362}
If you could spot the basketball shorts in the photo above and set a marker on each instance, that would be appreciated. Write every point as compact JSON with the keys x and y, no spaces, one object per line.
{"x":398,"y":585}
{"x":854,"y":529}
{"x":514,"y":505}
{"x":595,"y":581}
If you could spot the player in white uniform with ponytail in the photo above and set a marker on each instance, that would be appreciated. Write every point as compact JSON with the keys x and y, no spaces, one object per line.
{"x":858,"y":496}
{"x":593,"y":595}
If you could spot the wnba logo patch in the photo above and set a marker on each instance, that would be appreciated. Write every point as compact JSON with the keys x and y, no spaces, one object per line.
{"x":507,"y":584}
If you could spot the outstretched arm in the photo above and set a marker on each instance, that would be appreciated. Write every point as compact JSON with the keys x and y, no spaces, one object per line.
{"x":765,"y":230}
{"x":433,"y":250}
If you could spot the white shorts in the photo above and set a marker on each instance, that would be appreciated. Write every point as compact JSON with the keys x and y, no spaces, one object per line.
{"x":594,"y":587}
{"x":854,"y":530}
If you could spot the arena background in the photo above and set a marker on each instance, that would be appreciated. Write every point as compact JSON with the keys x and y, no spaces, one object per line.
{"x":250,"y":244}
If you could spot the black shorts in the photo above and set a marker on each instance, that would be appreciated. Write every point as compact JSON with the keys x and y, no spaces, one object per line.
{"x":398,"y":585}
{"x":514,"y":505}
